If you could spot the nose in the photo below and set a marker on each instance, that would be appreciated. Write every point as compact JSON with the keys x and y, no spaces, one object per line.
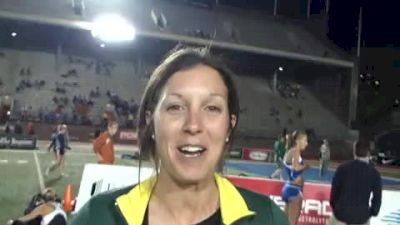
{"x":193,"y":122}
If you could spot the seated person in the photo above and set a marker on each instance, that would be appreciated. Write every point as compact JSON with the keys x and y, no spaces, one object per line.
{"x":47,"y":212}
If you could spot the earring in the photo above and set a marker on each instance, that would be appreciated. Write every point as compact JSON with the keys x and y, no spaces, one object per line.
{"x":152,"y":136}
{"x":227,"y":139}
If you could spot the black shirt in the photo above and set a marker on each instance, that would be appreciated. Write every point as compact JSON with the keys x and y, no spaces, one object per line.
{"x":352,"y":186}
{"x":214,"y":219}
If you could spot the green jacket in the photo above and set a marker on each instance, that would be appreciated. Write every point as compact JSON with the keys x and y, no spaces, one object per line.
{"x":280,"y":149}
{"x":127,"y":206}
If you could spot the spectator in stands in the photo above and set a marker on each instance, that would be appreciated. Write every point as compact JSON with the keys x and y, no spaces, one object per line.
{"x":103,"y":146}
{"x":130,"y":122}
{"x":186,"y":121}
{"x":7,"y":128}
{"x":352,"y":186}
{"x":325,"y":156}
{"x":47,"y":212}
{"x":292,"y":192}
{"x":300,"y":114}
{"x":111,"y":114}
{"x":18,"y":128}
{"x":30,"y":129}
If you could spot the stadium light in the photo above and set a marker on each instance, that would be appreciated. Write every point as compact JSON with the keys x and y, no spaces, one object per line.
{"x":13,"y":34}
{"x":102,"y":45}
{"x":280,"y":68}
{"x":396,"y":102}
{"x":112,"y":28}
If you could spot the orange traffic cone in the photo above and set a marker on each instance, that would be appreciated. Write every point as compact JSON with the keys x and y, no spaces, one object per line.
{"x":68,"y":199}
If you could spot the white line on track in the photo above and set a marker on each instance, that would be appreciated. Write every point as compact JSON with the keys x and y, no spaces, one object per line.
{"x":3,"y":161}
{"x":16,"y":151}
{"x":22,"y":161}
{"x":41,"y":181}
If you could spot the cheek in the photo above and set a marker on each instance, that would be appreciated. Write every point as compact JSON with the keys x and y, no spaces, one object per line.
{"x":166,"y":129}
{"x":219,"y":130}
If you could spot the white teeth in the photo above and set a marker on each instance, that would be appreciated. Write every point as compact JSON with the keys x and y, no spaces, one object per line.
{"x":191,"y":151}
{"x":192,"y":148}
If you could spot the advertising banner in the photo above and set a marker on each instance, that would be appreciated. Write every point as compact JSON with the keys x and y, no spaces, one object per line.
{"x":258,"y":154}
{"x":316,"y":209}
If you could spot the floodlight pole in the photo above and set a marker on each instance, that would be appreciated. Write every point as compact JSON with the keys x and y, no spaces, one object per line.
{"x":359,"y":32}
{"x":275,"y":81}
{"x":327,"y":7}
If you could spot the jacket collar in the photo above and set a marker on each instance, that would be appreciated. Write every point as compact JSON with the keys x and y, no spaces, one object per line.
{"x":133,"y":205}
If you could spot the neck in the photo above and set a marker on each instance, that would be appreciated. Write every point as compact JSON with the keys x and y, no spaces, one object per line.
{"x":297,"y":148}
{"x":188,"y":203}
{"x":364,"y":159}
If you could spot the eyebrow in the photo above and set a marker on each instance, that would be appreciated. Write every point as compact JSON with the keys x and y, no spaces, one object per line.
{"x":211,"y":95}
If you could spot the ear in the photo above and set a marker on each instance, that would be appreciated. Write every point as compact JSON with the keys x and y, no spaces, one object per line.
{"x":233,"y":121}
{"x":148,"y":117}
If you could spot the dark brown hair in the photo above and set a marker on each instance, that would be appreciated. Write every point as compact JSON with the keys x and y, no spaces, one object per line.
{"x":362,"y":147}
{"x":179,"y":60}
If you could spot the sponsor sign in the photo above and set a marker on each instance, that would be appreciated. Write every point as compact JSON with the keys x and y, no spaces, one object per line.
{"x":235,"y":153}
{"x":4,"y":141}
{"x":316,"y":209}
{"x":17,"y":141}
{"x":23,"y":142}
{"x":128,"y":135}
{"x":258,"y":154}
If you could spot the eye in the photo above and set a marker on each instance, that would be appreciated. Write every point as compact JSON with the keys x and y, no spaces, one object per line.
{"x":174,"y":108}
{"x":213,"y":108}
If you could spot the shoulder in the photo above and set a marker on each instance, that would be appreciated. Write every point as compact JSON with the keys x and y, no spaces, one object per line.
{"x":290,"y":152}
{"x":100,"y":209}
{"x":43,"y":209}
{"x":347,"y":165}
{"x":111,"y":195}
{"x":102,"y":136}
{"x":374,"y":170}
{"x":267,"y":212}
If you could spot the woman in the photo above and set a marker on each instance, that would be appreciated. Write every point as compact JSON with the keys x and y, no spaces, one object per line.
{"x":48,"y":212}
{"x":325,"y":156}
{"x":292,"y":192}
{"x":59,"y":145}
{"x":186,"y":121}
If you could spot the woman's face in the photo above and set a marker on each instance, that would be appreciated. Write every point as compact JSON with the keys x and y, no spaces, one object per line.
{"x":302,"y":142}
{"x":191,"y":124}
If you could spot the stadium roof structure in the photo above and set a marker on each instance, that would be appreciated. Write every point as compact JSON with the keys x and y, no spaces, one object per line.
{"x":258,"y":33}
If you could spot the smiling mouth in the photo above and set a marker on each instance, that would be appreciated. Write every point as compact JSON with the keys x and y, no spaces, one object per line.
{"x":191,"y":151}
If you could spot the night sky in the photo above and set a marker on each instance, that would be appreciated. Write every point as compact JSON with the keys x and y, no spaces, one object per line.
{"x":380,"y":53}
